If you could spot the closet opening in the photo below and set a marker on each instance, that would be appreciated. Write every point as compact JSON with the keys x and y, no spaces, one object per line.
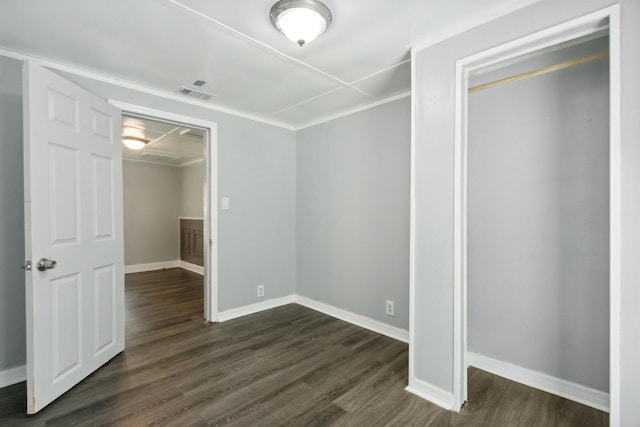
{"x":537,"y":213}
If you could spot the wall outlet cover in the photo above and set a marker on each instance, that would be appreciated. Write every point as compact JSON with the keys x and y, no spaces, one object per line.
{"x":389,"y":308}
{"x":260,"y":291}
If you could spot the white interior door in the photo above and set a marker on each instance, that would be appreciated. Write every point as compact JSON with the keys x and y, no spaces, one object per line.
{"x":73,"y":216}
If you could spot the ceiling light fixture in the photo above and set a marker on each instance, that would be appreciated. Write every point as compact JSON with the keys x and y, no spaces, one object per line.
{"x":134,"y":143}
{"x":301,"y":21}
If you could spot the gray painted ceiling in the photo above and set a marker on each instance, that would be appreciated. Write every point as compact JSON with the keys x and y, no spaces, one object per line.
{"x":163,"y":45}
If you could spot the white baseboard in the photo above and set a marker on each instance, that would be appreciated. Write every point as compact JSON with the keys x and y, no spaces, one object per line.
{"x":234,"y":313}
{"x":12,"y":376}
{"x":138,"y":268}
{"x":192,"y":267}
{"x":572,"y":391}
{"x":347,"y":316}
{"x":430,"y":392}
{"x":356,"y":319}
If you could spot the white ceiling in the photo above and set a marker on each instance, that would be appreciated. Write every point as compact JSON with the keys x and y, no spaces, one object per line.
{"x":169,"y":144}
{"x":163,"y":45}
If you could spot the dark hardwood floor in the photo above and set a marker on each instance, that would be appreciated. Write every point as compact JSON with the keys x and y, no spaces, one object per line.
{"x":286,"y":366}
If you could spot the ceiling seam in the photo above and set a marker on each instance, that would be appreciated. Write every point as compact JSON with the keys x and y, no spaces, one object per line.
{"x":163,"y":136}
{"x":305,"y":101}
{"x":266,"y":46}
{"x":380,"y":71}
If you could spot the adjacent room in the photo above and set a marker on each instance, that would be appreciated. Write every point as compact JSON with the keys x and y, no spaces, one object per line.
{"x":164,"y":198}
{"x":319,"y":213}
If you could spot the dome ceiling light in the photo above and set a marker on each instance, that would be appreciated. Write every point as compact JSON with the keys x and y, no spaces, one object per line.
{"x":301,"y":21}
{"x":134,"y":142}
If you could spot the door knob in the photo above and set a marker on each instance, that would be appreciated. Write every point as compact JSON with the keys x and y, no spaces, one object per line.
{"x":46,"y":264}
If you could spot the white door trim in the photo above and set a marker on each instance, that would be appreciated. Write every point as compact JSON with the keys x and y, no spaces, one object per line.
{"x":581,"y":26}
{"x":211,"y":195}
{"x":412,"y":223}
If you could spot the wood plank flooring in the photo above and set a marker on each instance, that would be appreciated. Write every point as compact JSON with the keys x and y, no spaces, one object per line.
{"x":290,"y":366}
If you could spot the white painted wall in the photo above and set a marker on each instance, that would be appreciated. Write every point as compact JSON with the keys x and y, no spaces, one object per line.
{"x":352,"y":228}
{"x":432,"y":351}
{"x":538,"y":219}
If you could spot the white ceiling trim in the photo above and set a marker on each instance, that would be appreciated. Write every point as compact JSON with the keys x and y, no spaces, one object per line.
{"x":380,"y":71}
{"x":250,"y":39}
{"x":355,"y":110}
{"x":469,"y":24}
{"x":49,"y":63}
{"x":151,"y":163}
{"x":162,"y":116}
{"x":313,"y":98}
{"x":55,"y":65}
{"x":193,"y":162}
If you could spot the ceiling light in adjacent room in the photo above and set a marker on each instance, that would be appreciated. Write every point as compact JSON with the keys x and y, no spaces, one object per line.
{"x":301,"y":21}
{"x":134,"y":142}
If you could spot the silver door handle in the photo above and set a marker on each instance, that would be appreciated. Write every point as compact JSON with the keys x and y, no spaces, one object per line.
{"x":46,"y":264}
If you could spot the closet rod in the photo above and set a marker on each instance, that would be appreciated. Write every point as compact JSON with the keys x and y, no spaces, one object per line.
{"x":538,"y":72}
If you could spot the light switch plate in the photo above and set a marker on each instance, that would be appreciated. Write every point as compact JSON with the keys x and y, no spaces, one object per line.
{"x":224,"y":202}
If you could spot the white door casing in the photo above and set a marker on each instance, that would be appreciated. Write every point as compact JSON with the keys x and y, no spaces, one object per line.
{"x":210,"y":192}
{"x":593,"y":23}
{"x":73,"y":215}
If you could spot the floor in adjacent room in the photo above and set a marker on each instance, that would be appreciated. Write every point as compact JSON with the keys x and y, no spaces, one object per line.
{"x":285,"y":366}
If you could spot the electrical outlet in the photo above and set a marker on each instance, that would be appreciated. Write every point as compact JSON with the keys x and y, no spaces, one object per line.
{"x":225,"y":203}
{"x":260,"y":291}
{"x":389,"y":308}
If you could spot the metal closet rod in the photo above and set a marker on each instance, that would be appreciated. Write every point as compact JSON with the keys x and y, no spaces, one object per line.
{"x":540,"y":71}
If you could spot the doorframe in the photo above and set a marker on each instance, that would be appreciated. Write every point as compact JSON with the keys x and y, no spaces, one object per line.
{"x":607,"y":18}
{"x":211,"y":194}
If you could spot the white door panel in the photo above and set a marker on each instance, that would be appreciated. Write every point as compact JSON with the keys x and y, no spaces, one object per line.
{"x":73,"y":215}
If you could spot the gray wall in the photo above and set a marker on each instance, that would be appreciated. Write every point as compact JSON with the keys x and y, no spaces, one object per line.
{"x":353,"y":212}
{"x":432,"y":352}
{"x":152,"y":205}
{"x":256,"y":237}
{"x":154,"y":197}
{"x":256,"y":170}
{"x":538,"y":219}
{"x":12,"y":282}
{"x":192,"y":190}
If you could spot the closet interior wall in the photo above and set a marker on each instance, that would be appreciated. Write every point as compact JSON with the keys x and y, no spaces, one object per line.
{"x":538,"y":217}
